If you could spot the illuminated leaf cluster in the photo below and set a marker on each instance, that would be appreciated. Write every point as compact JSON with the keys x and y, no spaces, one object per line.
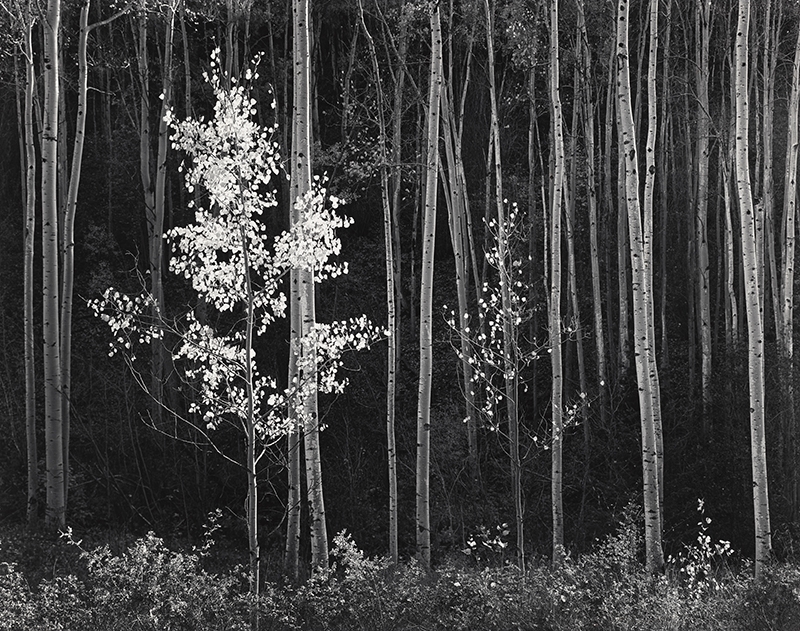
{"x":235,"y":267}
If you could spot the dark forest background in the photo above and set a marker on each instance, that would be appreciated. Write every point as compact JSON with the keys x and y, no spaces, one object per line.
{"x":128,"y":473}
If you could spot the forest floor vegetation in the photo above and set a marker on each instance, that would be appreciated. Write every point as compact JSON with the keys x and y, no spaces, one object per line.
{"x":67,"y":585}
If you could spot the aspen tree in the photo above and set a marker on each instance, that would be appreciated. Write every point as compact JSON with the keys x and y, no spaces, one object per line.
{"x":391,"y":308}
{"x":554,"y":320}
{"x":533,"y":256}
{"x":29,"y":160}
{"x":647,"y":242}
{"x":576,"y":326}
{"x":396,"y":164}
{"x":646,"y":370}
{"x":664,"y":126}
{"x":772,"y":26}
{"x":731,"y":302}
{"x":423,"y":519}
{"x":787,"y":284}
{"x":753,"y":306}
{"x":588,"y":110}
{"x":460,"y":234}
{"x":456,"y":199}
{"x":608,"y":205}
{"x":54,"y":448}
{"x":304,"y":280}
{"x":510,"y":351}
{"x":702,"y":39}
{"x":68,"y":225}
{"x":154,"y":192}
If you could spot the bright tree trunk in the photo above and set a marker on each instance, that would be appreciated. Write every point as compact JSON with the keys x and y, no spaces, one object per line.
{"x":55,"y":512}
{"x":772,"y":26}
{"x":647,"y":241}
{"x":753,"y":306}
{"x":554,"y":320}
{"x":423,"y":519}
{"x":665,"y":126}
{"x":30,"y":227}
{"x":646,"y":371}
{"x":787,"y":288}
{"x":301,"y":171}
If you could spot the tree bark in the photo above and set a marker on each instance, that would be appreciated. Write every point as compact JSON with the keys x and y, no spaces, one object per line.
{"x":554,"y":320}
{"x":423,"y":521}
{"x":787,"y":288}
{"x":753,"y":305}
{"x":301,"y":184}
{"x":391,"y":308}
{"x":29,"y":161}
{"x":55,"y":511}
{"x":588,"y":112}
{"x":702,"y":39}
{"x":646,"y":371}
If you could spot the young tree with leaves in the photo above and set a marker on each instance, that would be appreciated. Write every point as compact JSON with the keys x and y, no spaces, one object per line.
{"x":227,"y":257}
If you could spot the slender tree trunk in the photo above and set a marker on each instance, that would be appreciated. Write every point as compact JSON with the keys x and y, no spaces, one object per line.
{"x":608,"y":204}
{"x":291,"y":561}
{"x":731,"y":303}
{"x":557,"y":394}
{"x":456,"y":204}
{"x":301,"y":164}
{"x":787,"y":288}
{"x":150,"y":208}
{"x":391,"y":308}
{"x":646,"y":371}
{"x":703,"y":36}
{"x":423,"y":521}
{"x":251,"y":438}
{"x":772,"y":28}
{"x":588,"y":112}
{"x":534,"y":275}
{"x":68,"y":229}
{"x":754,"y":309}
{"x":397,"y":171}
{"x":55,"y":512}
{"x":461,"y":238}
{"x":68,"y":240}
{"x":505,"y":270}
{"x":663,"y":170}
{"x":29,"y":161}
{"x":647,"y":241}
{"x":623,"y":273}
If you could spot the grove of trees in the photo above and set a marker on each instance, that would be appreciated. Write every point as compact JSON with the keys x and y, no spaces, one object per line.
{"x":415,"y":269}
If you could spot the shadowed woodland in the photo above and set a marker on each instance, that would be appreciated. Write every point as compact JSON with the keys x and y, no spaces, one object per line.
{"x":422,"y":315}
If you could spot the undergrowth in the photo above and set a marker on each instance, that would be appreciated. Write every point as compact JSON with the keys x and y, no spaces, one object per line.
{"x":147,"y":586}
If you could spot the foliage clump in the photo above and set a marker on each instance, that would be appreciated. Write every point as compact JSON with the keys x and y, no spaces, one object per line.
{"x":151,"y":587}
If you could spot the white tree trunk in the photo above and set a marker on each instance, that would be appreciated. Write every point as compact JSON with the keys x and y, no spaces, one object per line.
{"x":554,"y":320}
{"x":55,"y":513}
{"x":753,"y":299}
{"x":423,"y":518}
{"x":644,"y":351}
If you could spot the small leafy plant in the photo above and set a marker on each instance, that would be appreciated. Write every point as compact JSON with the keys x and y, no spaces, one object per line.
{"x":695,"y":565}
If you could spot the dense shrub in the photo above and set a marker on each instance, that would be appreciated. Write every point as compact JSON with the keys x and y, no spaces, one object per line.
{"x":149,"y":587}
